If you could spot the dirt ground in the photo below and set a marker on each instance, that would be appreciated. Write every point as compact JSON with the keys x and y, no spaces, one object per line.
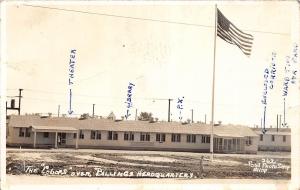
{"x":224,"y":166}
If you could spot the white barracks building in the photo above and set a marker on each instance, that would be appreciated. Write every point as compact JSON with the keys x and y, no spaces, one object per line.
{"x":53,"y":132}
{"x":274,"y":140}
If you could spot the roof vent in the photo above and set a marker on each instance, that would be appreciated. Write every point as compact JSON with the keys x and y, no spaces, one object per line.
{"x":111,"y":116}
{"x":151,"y":120}
{"x":84,"y":116}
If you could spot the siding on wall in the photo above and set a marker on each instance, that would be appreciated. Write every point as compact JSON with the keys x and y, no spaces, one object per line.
{"x":136,"y":143}
{"x":278,"y":144}
{"x":87,"y":142}
{"x":253,"y":147}
{"x":104,"y":142}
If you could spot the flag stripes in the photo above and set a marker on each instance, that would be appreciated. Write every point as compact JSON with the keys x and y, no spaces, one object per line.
{"x":231,"y":34}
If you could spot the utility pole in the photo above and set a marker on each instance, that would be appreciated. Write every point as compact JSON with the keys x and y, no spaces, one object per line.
{"x":277,"y":122}
{"x":169,"y":110}
{"x":169,"y":106}
{"x":192,"y":115}
{"x":93,"y":110}
{"x":12,"y":103}
{"x":135,"y":114}
{"x":58,"y":111}
{"x":20,"y":97}
{"x":280,"y":121}
{"x":205,"y":119}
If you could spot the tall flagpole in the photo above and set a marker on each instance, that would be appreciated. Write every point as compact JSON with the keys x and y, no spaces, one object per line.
{"x":213,"y":90}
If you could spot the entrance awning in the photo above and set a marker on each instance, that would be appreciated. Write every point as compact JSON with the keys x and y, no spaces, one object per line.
{"x":36,"y":128}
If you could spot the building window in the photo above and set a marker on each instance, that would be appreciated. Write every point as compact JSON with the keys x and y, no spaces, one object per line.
{"x":115,"y":136}
{"x":249,"y":141}
{"x":93,"y":134}
{"x":160,"y":137}
{"x":284,"y":138}
{"x":128,"y":136}
{"x":46,"y":135}
{"x":205,"y":139}
{"x":176,"y":138}
{"x":112,"y":135}
{"x":81,"y":134}
{"x":273,"y":138}
{"x":145,"y":137}
{"x":191,"y":138}
{"x":98,"y":135}
{"x":75,"y":135}
{"x":27,"y":132}
{"x":21,"y":132}
{"x":109,"y":135}
{"x":234,"y":142}
{"x":261,"y":137}
{"x":173,"y":138}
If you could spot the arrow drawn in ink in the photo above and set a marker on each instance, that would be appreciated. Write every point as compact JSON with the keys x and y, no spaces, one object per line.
{"x":70,"y":103}
{"x":264,"y":122}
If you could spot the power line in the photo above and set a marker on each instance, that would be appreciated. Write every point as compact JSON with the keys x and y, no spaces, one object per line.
{"x":146,"y":19}
{"x":197,"y":102}
{"x":11,"y":89}
{"x":153,"y":100}
{"x":120,"y":16}
{"x":59,"y":101}
{"x":97,"y":96}
{"x":65,"y":93}
{"x":99,"y":103}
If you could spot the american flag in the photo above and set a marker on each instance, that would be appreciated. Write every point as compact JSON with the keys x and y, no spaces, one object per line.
{"x":231,"y":34}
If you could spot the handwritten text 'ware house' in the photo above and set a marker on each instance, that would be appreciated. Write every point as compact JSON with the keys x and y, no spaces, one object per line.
{"x":290,"y":70}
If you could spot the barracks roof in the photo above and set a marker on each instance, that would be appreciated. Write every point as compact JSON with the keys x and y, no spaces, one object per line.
{"x":134,"y":126}
{"x":273,"y":131}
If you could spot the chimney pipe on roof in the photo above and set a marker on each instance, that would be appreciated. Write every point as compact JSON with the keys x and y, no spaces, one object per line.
{"x":93,"y":110}
{"x":277,"y":122}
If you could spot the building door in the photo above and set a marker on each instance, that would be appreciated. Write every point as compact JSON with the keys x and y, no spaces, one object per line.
{"x":225,"y":145}
{"x":61,"y":139}
{"x":238,"y":144}
{"x":229,"y":145}
{"x":218,"y":145}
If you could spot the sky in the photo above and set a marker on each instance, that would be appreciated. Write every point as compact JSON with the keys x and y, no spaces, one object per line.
{"x":162,"y":59}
